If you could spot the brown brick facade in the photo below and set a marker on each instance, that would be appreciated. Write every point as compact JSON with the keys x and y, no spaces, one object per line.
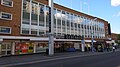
{"x":16,"y":17}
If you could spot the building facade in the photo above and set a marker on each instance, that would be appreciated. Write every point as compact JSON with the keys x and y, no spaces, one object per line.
{"x":114,"y":38}
{"x":24,"y":27}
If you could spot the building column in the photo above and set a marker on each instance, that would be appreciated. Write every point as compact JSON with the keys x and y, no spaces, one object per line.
{"x":13,"y":48}
{"x":83,"y":44}
{"x":34,"y":48}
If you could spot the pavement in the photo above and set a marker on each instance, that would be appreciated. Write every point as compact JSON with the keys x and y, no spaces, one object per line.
{"x":35,"y":58}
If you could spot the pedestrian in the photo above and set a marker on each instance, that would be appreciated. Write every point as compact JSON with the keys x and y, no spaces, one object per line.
{"x":113,"y":49}
{"x":107,"y":49}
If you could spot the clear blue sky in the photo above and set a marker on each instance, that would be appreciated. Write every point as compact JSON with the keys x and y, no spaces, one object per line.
{"x":108,"y":10}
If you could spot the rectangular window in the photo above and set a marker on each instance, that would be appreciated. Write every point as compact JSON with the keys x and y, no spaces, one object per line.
{"x":6,"y":16}
{"x":25,"y":30}
{"x":34,"y":15}
{"x":41,"y":14}
{"x":34,"y":31}
{"x":41,"y":32}
{"x":26,"y":22}
{"x":5,"y":30}
{"x":8,"y":3}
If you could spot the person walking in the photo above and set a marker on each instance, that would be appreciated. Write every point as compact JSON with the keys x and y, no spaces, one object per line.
{"x":113,"y":48}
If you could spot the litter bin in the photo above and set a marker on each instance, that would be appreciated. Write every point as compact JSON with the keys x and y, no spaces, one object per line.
{"x":47,"y":51}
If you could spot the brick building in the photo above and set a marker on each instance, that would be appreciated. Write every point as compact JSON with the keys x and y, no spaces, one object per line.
{"x":24,"y":25}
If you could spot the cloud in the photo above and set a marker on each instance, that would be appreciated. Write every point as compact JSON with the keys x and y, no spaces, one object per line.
{"x":113,"y":15}
{"x":118,"y":14}
{"x":85,"y":3}
{"x":115,"y":3}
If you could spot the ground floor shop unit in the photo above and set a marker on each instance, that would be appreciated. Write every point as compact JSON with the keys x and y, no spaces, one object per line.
{"x":16,"y":45}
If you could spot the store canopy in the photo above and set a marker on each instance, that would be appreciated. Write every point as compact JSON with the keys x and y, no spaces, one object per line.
{"x":89,"y":41}
{"x":109,"y":42}
{"x":70,"y":40}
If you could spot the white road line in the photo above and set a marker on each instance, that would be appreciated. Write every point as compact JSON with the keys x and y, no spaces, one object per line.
{"x":32,"y":62}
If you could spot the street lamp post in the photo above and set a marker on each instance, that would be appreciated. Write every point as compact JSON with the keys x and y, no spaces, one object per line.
{"x":88,"y":7}
{"x":51,"y":29}
{"x":92,"y":40}
{"x":83,"y":44}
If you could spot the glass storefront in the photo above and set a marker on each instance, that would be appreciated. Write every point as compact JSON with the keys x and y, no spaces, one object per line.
{"x":41,"y":47}
{"x":24,"y":48}
{"x":5,"y":48}
{"x":16,"y":48}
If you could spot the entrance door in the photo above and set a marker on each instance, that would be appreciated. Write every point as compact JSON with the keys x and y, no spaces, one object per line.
{"x":6,"y":49}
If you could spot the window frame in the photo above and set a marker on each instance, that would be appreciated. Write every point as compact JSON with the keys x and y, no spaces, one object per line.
{"x":25,"y":29}
{"x":5,"y":18}
{"x":2,"y":3}
{"x":5,"y":27}
{"x":34,"y":31}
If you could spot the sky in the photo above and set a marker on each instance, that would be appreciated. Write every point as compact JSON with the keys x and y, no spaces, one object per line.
{"x":108,"y":10}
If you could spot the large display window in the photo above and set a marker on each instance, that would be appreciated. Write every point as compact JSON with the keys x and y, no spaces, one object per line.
{"x":5,"y":48}
{"x":24,"y":48}
{"x":41,"y":47}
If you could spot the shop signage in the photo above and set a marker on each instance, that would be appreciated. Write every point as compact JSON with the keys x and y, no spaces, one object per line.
{"x":67,"y":36}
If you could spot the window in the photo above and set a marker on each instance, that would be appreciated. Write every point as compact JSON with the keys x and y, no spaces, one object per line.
{"x":42,"y":14}
{"x":8,"y":3}
{"x":34,"y":31}
{"x":25,"y":30}
{"x":34,"y":15}
{"x":6,"y":30}
{"x":41,"y":32}
{"x":26,"y":22}
{"x":6,"y":16}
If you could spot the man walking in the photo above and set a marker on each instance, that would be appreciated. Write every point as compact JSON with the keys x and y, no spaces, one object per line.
{"x":113,"y":48}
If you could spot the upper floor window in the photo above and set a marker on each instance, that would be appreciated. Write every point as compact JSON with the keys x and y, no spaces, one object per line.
{"x":25,"y":31}
{"x":5,"y":30}
{"x":6,"y":16}
{"x":8,"y":3}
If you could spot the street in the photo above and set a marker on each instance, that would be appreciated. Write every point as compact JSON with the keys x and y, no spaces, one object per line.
{"x":103,"y":60}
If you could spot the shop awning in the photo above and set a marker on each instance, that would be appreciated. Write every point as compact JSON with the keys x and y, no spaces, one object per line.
{"x":89,"y":41}
{"x":39,"y":39}
{"x":14,"y":37}
{"x":109,"y":42}
{"x":67,"y":40}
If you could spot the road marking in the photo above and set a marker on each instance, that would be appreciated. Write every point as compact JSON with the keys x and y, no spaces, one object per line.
{"x":52,"y":59}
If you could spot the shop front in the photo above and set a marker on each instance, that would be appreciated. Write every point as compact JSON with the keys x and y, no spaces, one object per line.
{"x":24,"y":48}
{"x":59,"y":47}
{"x":27,"y":45}
{"x":40,"y":47}
{"x":88,"y":45}
{"x":66,"y":46}
{"x":100,"y":45}
{"x":5,"y":48}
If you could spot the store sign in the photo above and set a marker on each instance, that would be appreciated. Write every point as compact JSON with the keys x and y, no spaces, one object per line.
{"x":72,"y":37}
{"x":69,"y":37}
